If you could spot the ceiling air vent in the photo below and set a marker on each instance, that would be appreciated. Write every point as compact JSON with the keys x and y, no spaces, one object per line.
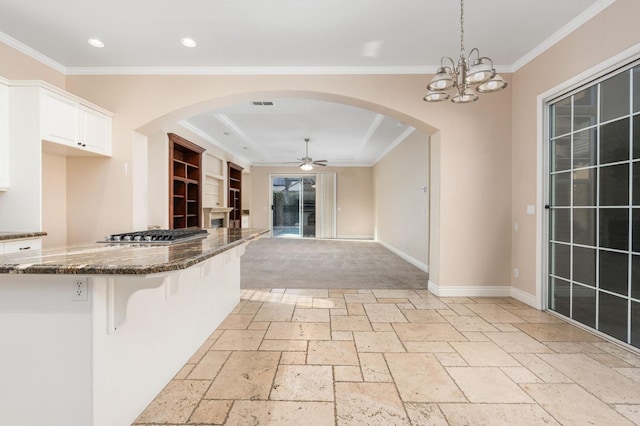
{"x":262,"y":103}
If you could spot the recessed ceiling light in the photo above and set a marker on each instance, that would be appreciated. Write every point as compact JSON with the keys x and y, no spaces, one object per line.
{"x":95,"y":42}
{"x":188,"y":42}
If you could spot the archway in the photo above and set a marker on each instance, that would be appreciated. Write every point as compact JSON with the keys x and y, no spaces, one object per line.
{"x":402,"y":242}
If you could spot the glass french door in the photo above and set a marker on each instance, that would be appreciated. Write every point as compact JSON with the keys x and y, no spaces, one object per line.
{"x":293,"y":206}
{"x":594,"y":205}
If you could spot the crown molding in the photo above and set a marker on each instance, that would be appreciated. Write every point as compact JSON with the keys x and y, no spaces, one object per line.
{"x":21,"y":47}
{"x":574,"y":24}
{"x":318,"y":70}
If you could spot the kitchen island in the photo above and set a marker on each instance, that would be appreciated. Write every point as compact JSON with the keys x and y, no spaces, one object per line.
{"x":91,"y":333}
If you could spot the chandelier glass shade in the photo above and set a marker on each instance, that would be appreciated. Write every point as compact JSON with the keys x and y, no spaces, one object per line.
{"x":472,"y":71}
{"x":307,"y":167}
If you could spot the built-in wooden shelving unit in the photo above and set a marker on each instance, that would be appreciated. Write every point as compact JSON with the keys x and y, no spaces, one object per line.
{"x":234,"y":182}
{"x":185,"y":189}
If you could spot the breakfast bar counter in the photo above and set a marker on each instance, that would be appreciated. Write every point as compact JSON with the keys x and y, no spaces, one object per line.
{"x":126,"y":258}
{"x":92,"y":333}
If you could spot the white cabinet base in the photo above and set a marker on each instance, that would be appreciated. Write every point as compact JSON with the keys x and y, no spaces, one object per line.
{"x":100,"y":362}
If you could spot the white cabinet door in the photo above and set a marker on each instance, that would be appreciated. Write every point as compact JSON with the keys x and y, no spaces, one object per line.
{"x":95,"y":130}
{"x":4,"y":137}
{"x":60,"y":119}
{"x":68,"y":122}
{"x":21,"y":245}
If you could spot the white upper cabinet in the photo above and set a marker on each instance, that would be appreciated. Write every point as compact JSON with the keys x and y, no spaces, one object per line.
{"x":60,"y":119}
{"x":68,"y":122}
{"x":4,"y":137}
{"x":95,"y":130}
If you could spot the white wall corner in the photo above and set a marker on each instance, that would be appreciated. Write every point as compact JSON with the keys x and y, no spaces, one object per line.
{"x":412,"y":260}
{"x":529,"y":299}
{"x":433,"y":288}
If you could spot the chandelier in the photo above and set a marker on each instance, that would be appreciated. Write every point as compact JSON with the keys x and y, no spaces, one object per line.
{"x":472,"y":70}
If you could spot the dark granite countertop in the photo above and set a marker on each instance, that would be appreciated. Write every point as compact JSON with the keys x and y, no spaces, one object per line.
{"x":125,"y":259}
{"x":9,"y":236}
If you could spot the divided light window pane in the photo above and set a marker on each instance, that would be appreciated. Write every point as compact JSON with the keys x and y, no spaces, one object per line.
{"x":584,"y":226}
{"x":584,"y":148}
{"x":560,"y":225}
{"x":614,"y":97}
{"x":559,"y":260}
{"x":561,"y":153}
{"x":561,"y":189}
{"x":584,"y":266}
{"x":609,"y":319}
{"x":584,"y":187}
{"x":614,"y":185}
{"x":614,"y":228}
{"x":561,"y":117}
{"x":560,"y":296}
{"x":585,"y":108}
{"x":584,"y":305}
{"x":636,"y":89}
{"x":636,"y":135}
{"x":635,"y":277}
{"x":614,"y":141}
{"x":635,"y":324}
{"x":614,"y":271}
{"x":636,"y":184}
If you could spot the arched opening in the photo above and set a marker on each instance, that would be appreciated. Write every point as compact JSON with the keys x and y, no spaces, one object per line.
{"x":389,"y":201}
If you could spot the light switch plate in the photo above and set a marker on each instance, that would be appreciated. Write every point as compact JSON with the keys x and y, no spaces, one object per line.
{"x":531,"y":209}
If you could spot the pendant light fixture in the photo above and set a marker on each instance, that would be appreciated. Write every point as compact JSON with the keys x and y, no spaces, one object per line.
{"x":472,"y":70}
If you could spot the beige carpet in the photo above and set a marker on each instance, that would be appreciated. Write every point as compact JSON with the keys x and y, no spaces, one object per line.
{"x":308,"y":263}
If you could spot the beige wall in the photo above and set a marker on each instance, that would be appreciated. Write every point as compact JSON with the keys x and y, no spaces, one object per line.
{"x":354,"y":187}
{"x":607,"y":34}
{"x":54,"y":200}
{"x":402,"y":208}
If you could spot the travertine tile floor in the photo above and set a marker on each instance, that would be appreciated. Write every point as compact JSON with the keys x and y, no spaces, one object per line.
{"x":398,"y":357}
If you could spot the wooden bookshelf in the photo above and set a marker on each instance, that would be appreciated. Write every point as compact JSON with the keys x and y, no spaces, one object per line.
{"x":185,"y":189}
{"x":234,"y":183}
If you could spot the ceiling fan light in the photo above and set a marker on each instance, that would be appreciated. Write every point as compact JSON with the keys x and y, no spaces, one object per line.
{"x":436,"y":97}
{"x":465,"y":97}
{"x":481,"y":71}
{"x":306,"y":167}
{"x":495,"y":84}
{"x":441,"y":81}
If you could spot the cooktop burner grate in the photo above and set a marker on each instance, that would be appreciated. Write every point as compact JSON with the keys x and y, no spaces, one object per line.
{"x":157,"y":236}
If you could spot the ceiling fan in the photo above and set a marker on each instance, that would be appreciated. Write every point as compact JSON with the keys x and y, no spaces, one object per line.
{"x":308,"y":162}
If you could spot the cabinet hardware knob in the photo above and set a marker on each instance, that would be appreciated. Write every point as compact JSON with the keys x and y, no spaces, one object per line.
{"x":84,"y":144}
{"x":80,"y":143}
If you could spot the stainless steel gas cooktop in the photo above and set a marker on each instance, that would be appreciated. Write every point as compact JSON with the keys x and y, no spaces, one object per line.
{"x":157,"y":236}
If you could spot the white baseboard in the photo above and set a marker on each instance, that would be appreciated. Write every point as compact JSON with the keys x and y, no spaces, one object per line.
{"x":412,"y":260}
{"x":529,"y":299}
{"x":469,"y":291}
{"x":354,"y":237}
{"x":483,"y":291}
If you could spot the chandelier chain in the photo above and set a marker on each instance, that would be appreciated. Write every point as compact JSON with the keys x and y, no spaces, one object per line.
{"x":472,"y":72}
{"x":462,"y":52}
